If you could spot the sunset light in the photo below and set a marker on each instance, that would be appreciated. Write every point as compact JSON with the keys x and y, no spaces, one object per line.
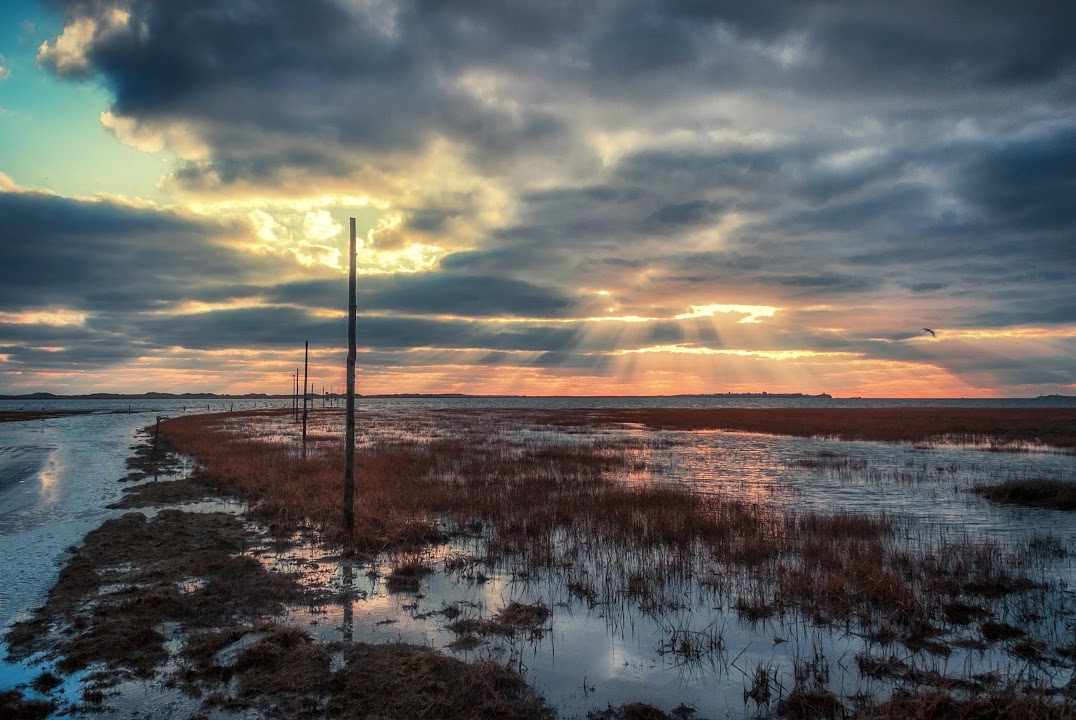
{"x":595,"y":202}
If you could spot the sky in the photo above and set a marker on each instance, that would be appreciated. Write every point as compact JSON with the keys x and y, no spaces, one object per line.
{"x":560,"y":197}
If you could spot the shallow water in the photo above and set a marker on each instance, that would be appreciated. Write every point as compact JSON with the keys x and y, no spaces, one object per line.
{"x":587,"y":657}
{"x":57,"y":476}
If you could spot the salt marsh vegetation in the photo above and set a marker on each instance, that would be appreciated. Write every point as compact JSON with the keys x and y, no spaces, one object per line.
{"x":828,"y":563}
{"x":624,"y":564}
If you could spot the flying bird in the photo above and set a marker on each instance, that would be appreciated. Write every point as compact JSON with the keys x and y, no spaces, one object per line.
{"x":929,"y":331}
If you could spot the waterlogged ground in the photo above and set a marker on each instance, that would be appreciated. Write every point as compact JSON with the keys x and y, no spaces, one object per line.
{"x":695,"y":648}
{"x":692,"y":646}
{"x":57,"y":477}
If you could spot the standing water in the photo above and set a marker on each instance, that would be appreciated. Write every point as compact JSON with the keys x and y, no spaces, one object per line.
{"x":57,"y":477}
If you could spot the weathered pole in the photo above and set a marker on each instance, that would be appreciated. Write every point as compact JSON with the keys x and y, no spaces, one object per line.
{"x":306,"y":384}
{"x":349,"y":424}
{"x":295,"y":397}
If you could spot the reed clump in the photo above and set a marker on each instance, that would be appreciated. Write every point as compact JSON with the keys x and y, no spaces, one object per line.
{"x":282,"y":672}
{"x":1033,"y":492}
{"x":513,"y":618}
{"x":946,"y":704}
{"x":407,"y":577}
{"x":15,"y":706}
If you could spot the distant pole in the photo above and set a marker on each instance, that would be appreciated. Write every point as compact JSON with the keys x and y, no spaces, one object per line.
{"x":349,"y":432}
{"x":295,"y":396}
{"x":306,"y":384}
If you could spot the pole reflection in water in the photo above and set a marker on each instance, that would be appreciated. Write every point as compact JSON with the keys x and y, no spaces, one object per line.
{"x":348,"y":601}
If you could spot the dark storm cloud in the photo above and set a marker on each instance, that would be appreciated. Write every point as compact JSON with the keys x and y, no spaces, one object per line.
{"x":1031,"y":310}
{"x":661,"y":333}
{"x":671,"y":152}
{"x":694,"y":213}
{"x":279,"y":84}
{"x":430,"y":293}
{"x":87,"y":354}
{"x":259,"y":327}
{"x":284,"y":327}
{"x":1027,"y":184}
{"x":101,"y":256}
{"x":581,"y":363}
{"x":955,"y":43}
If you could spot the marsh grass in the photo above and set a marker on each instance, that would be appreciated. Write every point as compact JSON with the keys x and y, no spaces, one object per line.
{"x":995,"y":428}
{"x":170,"y":492}
{"x":407,"y":577}
{"x":14,"y":706}
{"x":1034,"y":492}
{"x":283,"y":673}
{"x":133,"y":574}
{"x":512,"y":619}
{"x":947,"y":704}
{"x":547,"y":503}
{"x":554,"y":506}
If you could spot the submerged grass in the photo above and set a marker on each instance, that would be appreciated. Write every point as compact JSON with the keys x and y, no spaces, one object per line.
{"x":14,"y":706}
{"x":283,"y":673}
{"x":132,"y":574}
{"x":1033,"y":492}
{"x":1000,"y":428}
{"x":553,"y":505}
{"x":943,"y":704}
{"x":550,"y":504}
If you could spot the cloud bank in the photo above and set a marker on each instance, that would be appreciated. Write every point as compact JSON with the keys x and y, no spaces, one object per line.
{"x":550,"y":189}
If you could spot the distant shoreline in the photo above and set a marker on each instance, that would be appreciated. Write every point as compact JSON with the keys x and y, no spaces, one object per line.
{"x":263,"y":396}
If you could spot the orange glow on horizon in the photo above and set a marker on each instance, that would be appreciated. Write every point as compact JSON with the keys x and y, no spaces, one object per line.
{"x":242,"y":372}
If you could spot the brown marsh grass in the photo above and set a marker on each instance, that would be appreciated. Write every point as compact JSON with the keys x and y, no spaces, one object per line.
{"x":1033,"y":492}
{"x":944,"y":704}
{"x":14,"y":706}
{"x":133,"y":574}
{"x":1001,"y":428}
{"x":554,"y":507}
{"x":284,"y":673}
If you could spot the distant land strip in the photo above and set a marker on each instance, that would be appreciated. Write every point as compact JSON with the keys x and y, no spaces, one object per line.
{"x":264,"y":396}
{"x":17,"y":415}
{"x":1001,"y":428}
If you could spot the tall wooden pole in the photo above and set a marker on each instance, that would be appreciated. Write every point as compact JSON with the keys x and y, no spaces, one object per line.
{"x":306,"y":384}
{"x":349,"y":424}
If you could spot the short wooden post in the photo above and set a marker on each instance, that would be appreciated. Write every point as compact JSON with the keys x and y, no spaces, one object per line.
{"x":306,"y":384}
